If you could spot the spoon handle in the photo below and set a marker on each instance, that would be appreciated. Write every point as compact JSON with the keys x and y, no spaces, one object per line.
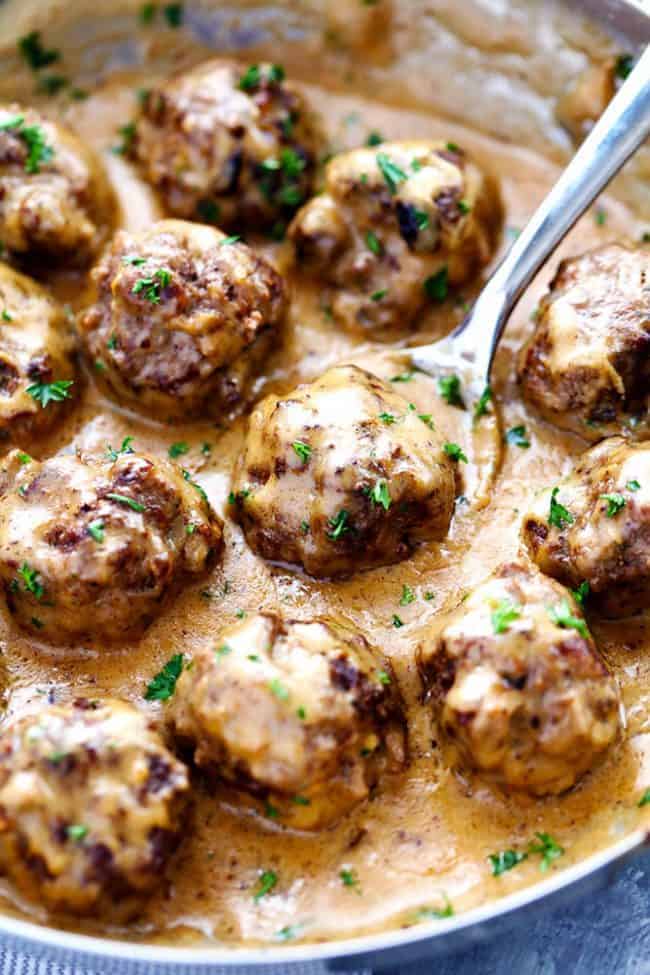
{"x":622,"y":128}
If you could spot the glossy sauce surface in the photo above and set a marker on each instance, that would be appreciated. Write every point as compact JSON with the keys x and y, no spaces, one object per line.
{"x":424,"y":839}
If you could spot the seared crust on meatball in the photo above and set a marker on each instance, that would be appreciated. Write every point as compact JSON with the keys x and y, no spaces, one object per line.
{"x":302,"y":714}
{"x":228,"y":145}
{"x":35,"y":350}
{"x":90,"y":545}
{"x":595,"y":527}
{"x":518,"y":684}
{"x":586,"y":367}
{"x":341,"y":474}
{"x":90,"y":803}
{"x":55,"y":199}
{"x":183,"y":318}
{"x":395,"y":225}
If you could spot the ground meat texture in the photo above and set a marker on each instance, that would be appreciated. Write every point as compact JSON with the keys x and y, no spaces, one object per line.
{"x":182,"y":319}
{"x":303,"y":715}
{"x":35,"y":350}
{"x":594,"y":527}
{"x":55,"y":199}
{"x":396,"y":226}
{"x":90,"y":545}
{"x":341,"y":474}
{"x":523,"y":698}
{"x":586,"y":367}
{"x":229,"y":145}
{"x":90,"y":804}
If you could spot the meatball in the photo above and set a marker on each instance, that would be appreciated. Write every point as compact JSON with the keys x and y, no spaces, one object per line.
{"x":586,"y":367}
{"x":301,"y":714}
{"x":341,"y":474}
{"x":183,"y":318}
{"x":90,"y":805}
{"x":36,"y":366}
{"x":587,"y":97}
{"x":55,"y":200}
{"x":518,"y":684}
{"x":228,"y":145}
{"x":90,"y":545}
{"x":593,"y":530}
{"x":395,"y":226}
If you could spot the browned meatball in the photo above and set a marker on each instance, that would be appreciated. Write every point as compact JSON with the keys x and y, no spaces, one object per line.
{"x":302,"y":714}
{"x":395,"y":226}
{"x":518,"y":684}
{"x":341,"y":474}
{"x":587,"y":97}
{"x":182,"y":320}
{"x":90,"y":545}
{"x":594,"y":527}
{"x":36,"y":366}
{"x":55,"y":200}
{"x":230,"y":145}
{"x":90,"y":804}
{"x":586,"y":367}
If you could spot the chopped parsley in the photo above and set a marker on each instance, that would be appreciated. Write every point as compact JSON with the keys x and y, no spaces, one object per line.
{"x":45,"y":393}
{"x":484,"y":399}
{"x":408,"y":596}
{"x":338,"y":525}
{"x":163,"y":684}
{"x":449,"y":389}
{"x":600,"y":217}
{"x":128,"y":135}
{"x":178,"y":449}
{"x":6,"y":316}
{"x":374,"y":139}
{"x":397,"y":622}
{"x":558,"y":515}
{"x":33,"y":52}
{"x":151,"y":286}
{"x":623,"y":66}
{"x":173,"y":14}
{"x":378,"y":295}
{"x":222,"y":651}
{"x":302,"y":450}
{"x":564,"y":618}
{"x":504,"y":613}
{"x":277,"y":687}
{"x":581,"y":593}
{"x":267,"y":881}
{"x":454,"y":452}
{"x":633,"y":485}
{"x":505,"y":860}
{"x":436,"y":286}
{"x":349,"y":878}
{"x":31,"y":581}
{"x":464,"y":207}
{"x":383,"y":677}
{"x":147,"y":13}
{"x":387,"y":418}
{"x":125,"y":500}
{"x":228,"y":241}
{"x":549,"y":849}
{"x":134,"y":260}
{"x":77,"y":832}
{"x":24,"y":458}
{"x":52,"y":84}
{"x":615,"y":503}
{"x":197,"y":487}
{"x":38,"y":151}
{"x":432,"y":913}
{"x":392,"y":173}
{"x":380,"y":495}
{"x":645,"y":799}
{"x":126,"y":448}
{"x":518,"y":437}
{"x":403,"y":377}
{"x":255,"y":75}
{"x":373,"y":243}
{"x":96,"y":530}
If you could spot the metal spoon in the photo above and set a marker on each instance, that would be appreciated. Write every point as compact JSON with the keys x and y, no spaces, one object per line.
{"x":469,"y":350}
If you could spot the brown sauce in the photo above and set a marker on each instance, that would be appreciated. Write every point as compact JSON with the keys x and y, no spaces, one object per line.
{"x":424,"y":838}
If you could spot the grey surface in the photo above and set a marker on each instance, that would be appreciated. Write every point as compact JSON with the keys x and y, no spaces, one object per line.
{"x":606,"y":934}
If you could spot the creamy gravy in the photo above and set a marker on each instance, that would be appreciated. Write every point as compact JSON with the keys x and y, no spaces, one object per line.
{"x":424,"y":839}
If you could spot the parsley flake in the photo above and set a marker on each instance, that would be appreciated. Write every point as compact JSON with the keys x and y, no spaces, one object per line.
{"x":505,"y":860}
{"x":45,"y":393}
{"x":484,"y":399}
{"x":505,"y":613}
{"x":302,"y":450}
{"x":454,"y":452}
{"x":151,"y":286}
{"x":408,"y":596}
{"x":558,"y":515}
{"x":267,"y":881}
{"x":549,"y":849}
{"x":380,"y":495}
{"x":338,"y":525}
{"x":125,"y":500}
{"x":564,"y":618}
{"x":96,"y":530}
{"x":581,"y":593}
{"x":178,"y":449}
{"x":436,"y":286}
{"x":163,"y":684}
{"x":31,"y":581}
{"x":392,"y":173}
{"x":517,"y":437}
{"x":33,"y":52}
{"x":615,"y":503}
{"x":373,"y":243}
{"x":450,"y":390}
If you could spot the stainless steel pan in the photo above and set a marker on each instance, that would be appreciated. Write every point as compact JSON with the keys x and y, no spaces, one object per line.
{"x":629,"y":20}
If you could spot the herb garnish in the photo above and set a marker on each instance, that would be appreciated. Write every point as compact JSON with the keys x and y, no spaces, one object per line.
{"x":373,"y":243}
{"x":267,"y":881}
{"x":548,"y":848}
{"x":302,"y":450}
{"x":481,"y":407}
{"x":128,"y":135}
{"x":449,"y":389}
{"x":178,"y":449}
{"x":151,"y":286}
{"x":564,"y":618}
{"x":615,"y":503}
{"x":33,"y":52}
{"x":454,"y":452}
{"x":505,"y":860}
{"x":254,"y":75}
{"x":163,"y":684}
{"x":96,"y":530}
{"x":408,"y":596}
{"x":338,"y":525}
{"x":581,"y":593}
{"x":633,"y":485}
{"x":559,"y":516}
{"x":77,"y":832}
{"x":504,"y":613}
{"x":391,"y":172}
{"x":517,"y":437}
{"x":45,"y":393}
{"x":31,"y":581}
{"x":173,"y":14}
{"x":398,"y":623}
{"x":277,"y":687}
{"x":380,"y":495}
{"x":128,"y":502}
{"x":126,"y":448}
{"x":349,"y":879}
{"x":436,"y":286}
{"x":645,"y":799}
{"x":38,"y":151}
